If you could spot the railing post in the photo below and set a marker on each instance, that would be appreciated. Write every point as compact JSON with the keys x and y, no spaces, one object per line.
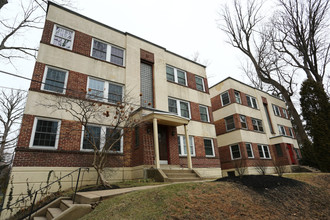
{"x":34,"y":200}
{"x":75,"y":191}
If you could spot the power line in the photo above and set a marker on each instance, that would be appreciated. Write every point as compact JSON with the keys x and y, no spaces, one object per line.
{"x":66,"y":89}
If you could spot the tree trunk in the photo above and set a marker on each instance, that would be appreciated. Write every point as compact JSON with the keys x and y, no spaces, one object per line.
{"x":103,"y":181}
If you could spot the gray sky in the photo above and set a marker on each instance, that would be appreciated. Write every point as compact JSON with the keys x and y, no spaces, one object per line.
{"x":183,"y":27}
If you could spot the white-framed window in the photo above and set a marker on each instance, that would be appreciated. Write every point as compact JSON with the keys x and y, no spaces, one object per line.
{"x":276,"y":110}
{"x":104,"y":91}
{"x":45,"y":133}
{"x":200,"y":83}
{"x":263,"y":151}
{"x":285,"y":112}
{"x":204,"y":113}
{"x":182,"y":145}
{"x":249,"y":150}
{"x":230,"y":123}
{"x":235,"y":152}
{"x":281,"y":130}
{"x":225,"y":100}
{"x":257,"y":125}
{"x":242,"y":118}
{"x":107,"y":52}
{"x":179,"y":107}
{"x":237,"y":97}
{"x":176,"y":75}
{"x":209,"y":148}
{"x":55,"y":80}
{"x":251,"y":101}
{"x":102,"y":136}
{"x":62,"y":37}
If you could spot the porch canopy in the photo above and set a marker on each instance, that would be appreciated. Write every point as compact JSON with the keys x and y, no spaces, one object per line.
{"x":164,"y":118}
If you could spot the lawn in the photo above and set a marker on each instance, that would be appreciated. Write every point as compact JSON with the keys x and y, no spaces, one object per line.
{"x":295,"y":198}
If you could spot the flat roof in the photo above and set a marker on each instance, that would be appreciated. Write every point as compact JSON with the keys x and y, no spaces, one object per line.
{"x":228,"y":78}
{"x":121,"y":32}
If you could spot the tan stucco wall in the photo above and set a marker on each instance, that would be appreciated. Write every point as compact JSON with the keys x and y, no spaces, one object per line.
{"x":254,"y":171}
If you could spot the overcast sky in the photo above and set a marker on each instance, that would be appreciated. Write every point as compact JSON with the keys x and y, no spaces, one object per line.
{"x":183,"y":27}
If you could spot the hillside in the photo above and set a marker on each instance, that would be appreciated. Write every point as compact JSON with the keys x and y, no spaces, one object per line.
{"x":254,"y":197}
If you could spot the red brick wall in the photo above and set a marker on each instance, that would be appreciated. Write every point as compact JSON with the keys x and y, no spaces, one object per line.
{"x":216,"y":103}
{"x":47,"y":32}
{"x":25,"y":131}
{"x":231,"y":96}
{"x":220,"y":126}
{"x":60,"y":158}
{"x":82,"y":43}
{"x":206,"y":85}
{"x":173,"y":150}
{"x":210,"y":114}
{"x":77,"y":84}
{"x":200,"y":160}
{"x":194,"y":108}
{"x":70,"y":136}
{"x":191,"y":80}
{"x":38,"y":73}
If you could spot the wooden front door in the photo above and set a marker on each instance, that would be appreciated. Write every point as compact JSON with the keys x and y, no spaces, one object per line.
{"x":293,"y":160}
{"x":162,"y":141}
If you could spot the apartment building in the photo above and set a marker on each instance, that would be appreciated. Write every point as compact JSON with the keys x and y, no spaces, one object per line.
{"x":80,"y":58}
{"x":253,"y":129}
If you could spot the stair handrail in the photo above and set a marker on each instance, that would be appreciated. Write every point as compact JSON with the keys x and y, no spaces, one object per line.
{"x":41,"y":189}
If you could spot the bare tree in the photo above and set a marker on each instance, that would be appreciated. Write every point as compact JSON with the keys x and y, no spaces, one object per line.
{"x":118,"y":119}
{"x":292,"y":42}
{"x":14,"y":26}
{"x":240,"y":167}
{"x":11,"y":111}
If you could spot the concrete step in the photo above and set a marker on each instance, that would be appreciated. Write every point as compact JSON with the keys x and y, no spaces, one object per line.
{"x":176,"y":175}
{"x":65,"y":204}
{"x":183,"y":179}
{"x":40,"y":218}
{"x":53,"y":212}
{"x":177,"y":171}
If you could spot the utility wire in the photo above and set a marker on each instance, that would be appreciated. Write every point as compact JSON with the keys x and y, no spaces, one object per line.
{"x":59,"y":87}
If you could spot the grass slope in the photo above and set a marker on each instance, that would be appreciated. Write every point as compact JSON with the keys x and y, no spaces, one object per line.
{"x":269,"y":198}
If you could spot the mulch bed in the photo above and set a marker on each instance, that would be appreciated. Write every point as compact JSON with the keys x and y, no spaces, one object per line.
{"x":262,"y":182}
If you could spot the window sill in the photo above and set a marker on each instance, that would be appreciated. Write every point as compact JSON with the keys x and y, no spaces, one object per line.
{"x":43,"y":148}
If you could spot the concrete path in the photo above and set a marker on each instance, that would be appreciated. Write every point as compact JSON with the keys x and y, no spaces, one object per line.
{"x":94,"y":196}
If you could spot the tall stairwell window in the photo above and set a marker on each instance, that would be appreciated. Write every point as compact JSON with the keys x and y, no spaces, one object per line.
{"x":146,"y":85}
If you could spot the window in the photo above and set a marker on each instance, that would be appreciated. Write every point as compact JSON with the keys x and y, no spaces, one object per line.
{"x":252,"y":102}
{"x":101,"y":136}
{"x":102,"y":91}
{"x":204,"y":113}
{"x":107,"y":52}
{"x":225,"y":98}
{"x":279,"y":151}
{"x":237,"y":97}
{"x":285,"y":112}
{"x":200,"y":83}
{"x":243,"y":121}
{"x":62,"y":37}
{"x":281,"y":130}
{"x":230,"y":123}
{"x":235,"y":152}
{"x":182,"y":145}
{"x":257,"y":125}
{"x":54,"y":80}
{"x":45,"y":133}
{"x":290,"y":132}
{"x":276,"y":110}
{"x":176,"y":75}
{"x":249,"y":150}
{"x":179,"y":107}
{"x":208,"y":146}
{"x":263,"y":151}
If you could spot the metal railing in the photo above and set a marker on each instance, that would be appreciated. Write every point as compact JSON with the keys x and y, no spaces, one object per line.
{"x":41,"y":190}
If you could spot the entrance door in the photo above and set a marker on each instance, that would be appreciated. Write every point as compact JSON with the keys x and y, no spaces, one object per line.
{"x":293,"y":161}
{"x":162,"y":141}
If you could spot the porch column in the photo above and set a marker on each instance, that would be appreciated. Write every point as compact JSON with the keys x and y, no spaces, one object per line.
{"x":188,"y":148}
{"x":156,"y":144}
